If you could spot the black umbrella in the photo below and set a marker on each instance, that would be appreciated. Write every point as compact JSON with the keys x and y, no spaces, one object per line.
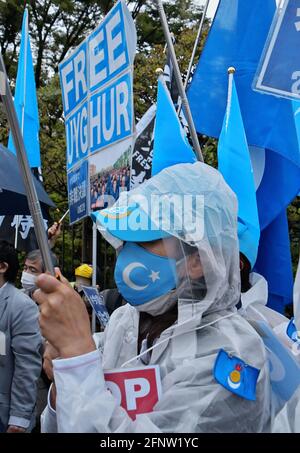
{"x":13,"y":200}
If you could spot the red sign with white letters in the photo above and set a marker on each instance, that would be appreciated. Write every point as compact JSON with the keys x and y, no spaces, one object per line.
{"x":136,"y":389}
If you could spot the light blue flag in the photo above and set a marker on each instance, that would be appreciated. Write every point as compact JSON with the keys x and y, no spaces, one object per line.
{"x":296,"y":111}
{"x":237,"y":38}
{"x":26,"y":101}
{"x":284,"y":369}
{"x":171,"y":145}
{"x":235,"y":166}
{"x":275,"y":264}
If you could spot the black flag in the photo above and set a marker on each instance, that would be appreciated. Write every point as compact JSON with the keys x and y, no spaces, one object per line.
{"x":141,"y":164}
{"x":26,"y":236}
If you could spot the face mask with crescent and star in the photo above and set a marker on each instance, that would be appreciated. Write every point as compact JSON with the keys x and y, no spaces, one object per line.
{"x":142,"y":276}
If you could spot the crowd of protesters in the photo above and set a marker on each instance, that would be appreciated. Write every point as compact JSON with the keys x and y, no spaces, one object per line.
{"x":104,"y":186}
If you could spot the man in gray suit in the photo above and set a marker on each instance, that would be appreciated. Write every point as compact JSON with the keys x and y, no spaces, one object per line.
{"x":20,"y":349}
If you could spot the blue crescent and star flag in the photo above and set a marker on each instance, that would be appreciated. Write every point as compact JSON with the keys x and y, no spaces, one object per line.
{"x":237,"y":38}
{"x":284,"y":367}
{"x":25,"y":101}
{"x":235,"y":165}
{"x":171,"y":145}
{"x":236,"y":376}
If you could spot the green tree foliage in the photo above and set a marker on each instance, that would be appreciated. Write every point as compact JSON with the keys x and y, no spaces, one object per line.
{"x":294,"y":227}
{"x":11,"y":13}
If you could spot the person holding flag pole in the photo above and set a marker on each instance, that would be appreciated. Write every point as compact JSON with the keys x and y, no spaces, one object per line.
{"x":178,"y":270}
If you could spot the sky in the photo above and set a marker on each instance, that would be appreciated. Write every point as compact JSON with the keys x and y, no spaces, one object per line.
{"x":213,"y":6}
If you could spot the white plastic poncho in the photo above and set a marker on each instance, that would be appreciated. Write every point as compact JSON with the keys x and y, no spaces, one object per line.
{"x":192,"y":400}
{"x":284,"y":360}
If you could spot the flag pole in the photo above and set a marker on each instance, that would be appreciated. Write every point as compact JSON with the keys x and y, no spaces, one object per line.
{"x":24,"y":102}
{"x":296,"y":299}
{"x":179,"y":82}
{"x":231,"y":71}
{"x":199,"y":34}
{"x":198,"y":37}
{"x":32,"y":198}
{"x":94,"y":277}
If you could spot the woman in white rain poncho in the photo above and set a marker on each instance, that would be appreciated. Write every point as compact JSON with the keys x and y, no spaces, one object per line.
{"x":182,"y":288}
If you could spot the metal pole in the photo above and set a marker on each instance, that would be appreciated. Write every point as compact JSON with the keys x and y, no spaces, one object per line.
{"x":32,"y":198}
{"x":23,"y":107}
{"x":180,"y":86}
{"x":63,"y":250}
{"x":65,"y":215}
{"x":199,"y":34}
{"x":17,"y":231}
{"x":105,"y":265}
{"x":196,"y":44}
{"x":72,"y":247}
{"x":94,"y":278}
{"x":231,"y":72}
{"x":296,"y":299}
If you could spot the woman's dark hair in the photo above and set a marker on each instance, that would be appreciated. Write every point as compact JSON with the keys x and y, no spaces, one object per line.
{"x":9,"y":255}
{"x":245,"y":274}
{"x":151,"y":327}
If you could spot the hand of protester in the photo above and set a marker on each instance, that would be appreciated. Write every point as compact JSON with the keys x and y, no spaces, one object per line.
{"x":54,"y":231}
{"x":64,"y":320}
{"x":15,"y":429}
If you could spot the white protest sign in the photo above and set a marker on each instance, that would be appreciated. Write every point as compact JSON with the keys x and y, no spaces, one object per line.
{"x":97,"y":90}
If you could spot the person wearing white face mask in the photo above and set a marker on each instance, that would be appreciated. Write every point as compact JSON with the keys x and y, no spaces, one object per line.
{"x":20,"y":342}
{"x":33,"y":267}
{"x":178,"y":269}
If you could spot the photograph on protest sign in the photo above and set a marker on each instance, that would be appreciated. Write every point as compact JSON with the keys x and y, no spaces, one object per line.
{"x":109,"y":174}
